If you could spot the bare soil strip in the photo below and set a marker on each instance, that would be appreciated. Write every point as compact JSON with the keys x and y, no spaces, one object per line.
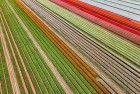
{"x":0,"y":88}
{"x":0,"y":52}
{"x":23,"y":64}
{"x":10,"y":67}
{"x":0,"y":62}
{"x":60,"y":79}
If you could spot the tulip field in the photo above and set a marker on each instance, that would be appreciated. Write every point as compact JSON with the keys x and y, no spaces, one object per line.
{"x":67,"y":47}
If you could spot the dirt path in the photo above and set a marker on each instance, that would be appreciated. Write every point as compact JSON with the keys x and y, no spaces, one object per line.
{"x":18,"y":67}
{"x":10,"y":67}
{"x":43,"y":54}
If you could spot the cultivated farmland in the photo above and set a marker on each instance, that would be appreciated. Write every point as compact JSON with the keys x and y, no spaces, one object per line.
{"x":47,"y":48}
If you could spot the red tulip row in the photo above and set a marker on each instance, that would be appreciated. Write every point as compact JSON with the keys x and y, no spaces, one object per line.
{"x":87,"y":11}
